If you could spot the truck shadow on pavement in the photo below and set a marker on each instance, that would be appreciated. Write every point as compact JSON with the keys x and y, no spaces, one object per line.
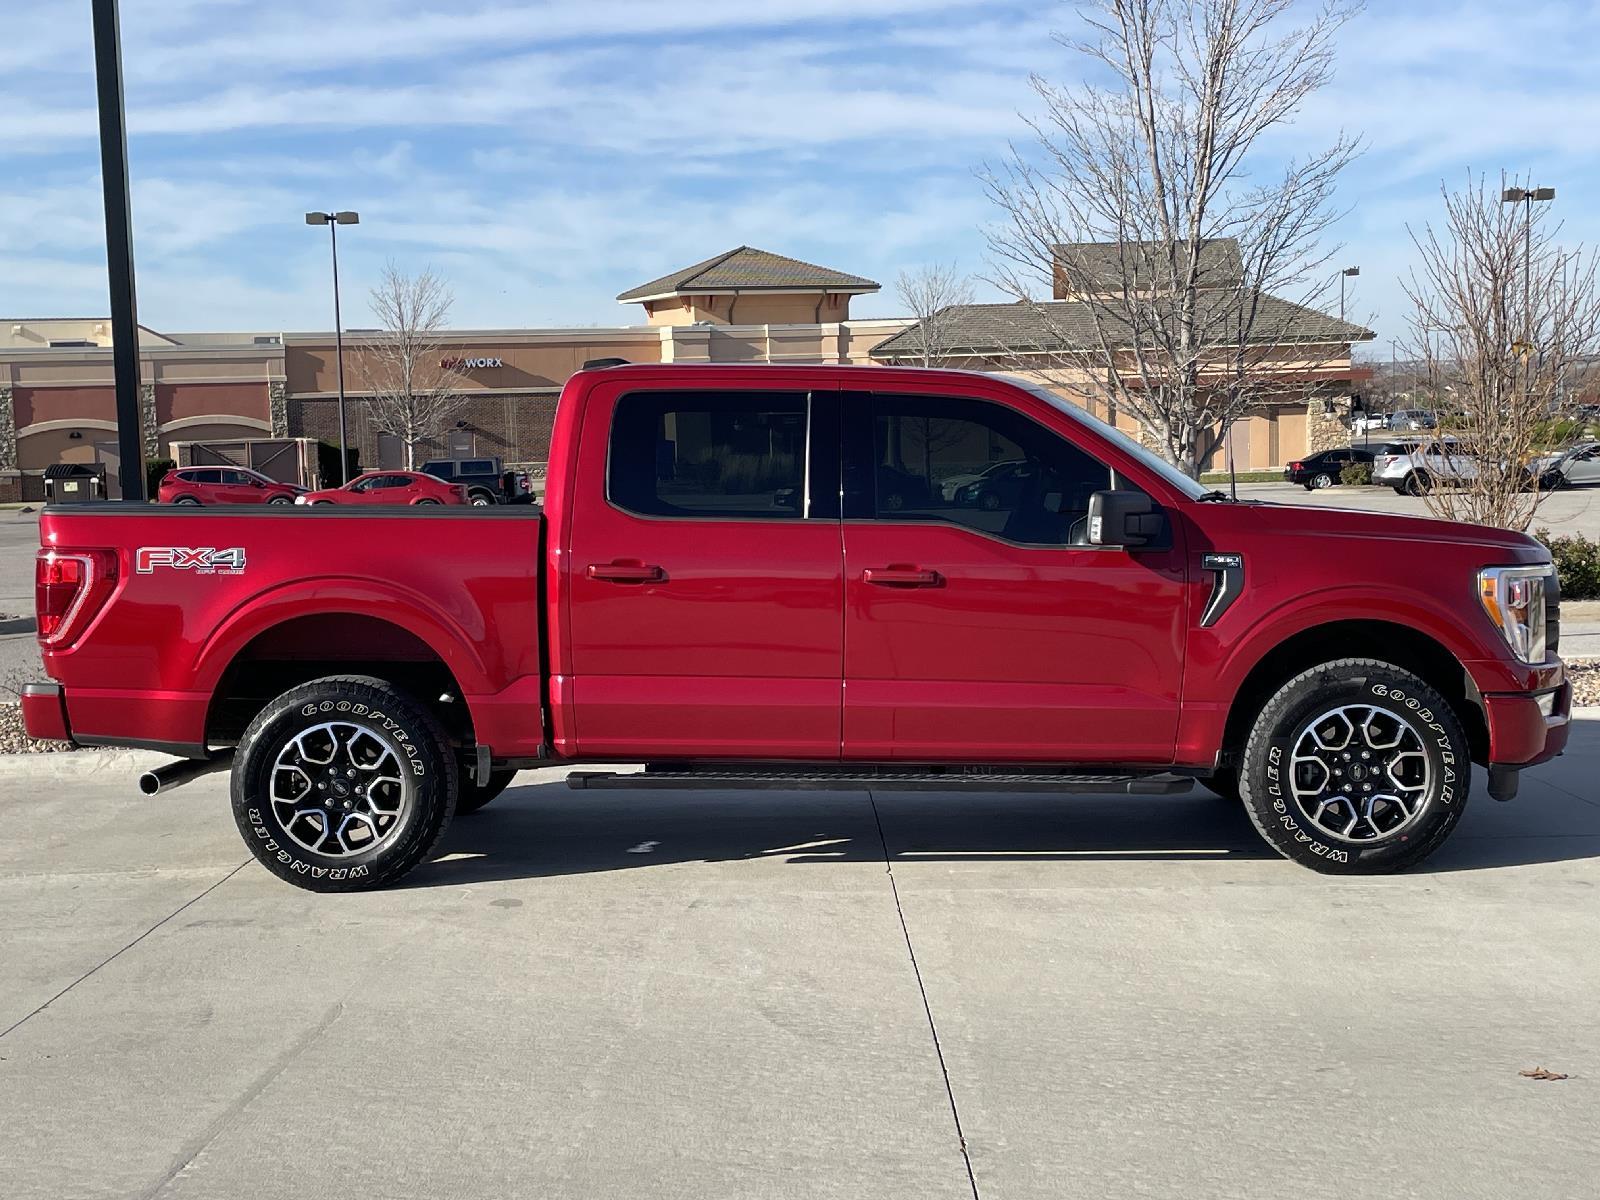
{"x":548,"y":830}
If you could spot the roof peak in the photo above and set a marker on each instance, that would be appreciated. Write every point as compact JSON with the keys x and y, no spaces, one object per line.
{"x":749,"y":268}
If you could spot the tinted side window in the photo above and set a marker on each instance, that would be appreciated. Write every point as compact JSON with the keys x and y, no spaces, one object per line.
{"x":478,"y":466}
{"x":440,"y":470}
{"x":708,"y":454}
{"x":981,"y":465}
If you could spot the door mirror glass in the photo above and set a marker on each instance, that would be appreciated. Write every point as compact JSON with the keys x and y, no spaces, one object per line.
{"x":1126,"y":519}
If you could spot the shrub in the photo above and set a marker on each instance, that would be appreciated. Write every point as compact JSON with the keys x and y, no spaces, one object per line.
{"x":1356,"y":474}
{"x":1577,"y":562}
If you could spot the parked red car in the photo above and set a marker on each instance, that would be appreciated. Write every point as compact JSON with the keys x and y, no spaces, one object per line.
{"x":724,"y":584}
{"x":223,"y":485}
{"x":390,"y":487}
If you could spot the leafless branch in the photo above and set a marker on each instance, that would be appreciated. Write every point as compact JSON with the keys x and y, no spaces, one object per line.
{"x":407,"y":369}
{"x":1505,"y":323}
{"x":1157,"y":165}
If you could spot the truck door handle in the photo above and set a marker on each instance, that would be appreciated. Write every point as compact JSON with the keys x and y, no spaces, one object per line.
{"x":617,"y":572}
{"x":901,"y":577}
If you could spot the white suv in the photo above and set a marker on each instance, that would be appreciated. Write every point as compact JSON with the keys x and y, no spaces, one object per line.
{"x":1415,"y":465}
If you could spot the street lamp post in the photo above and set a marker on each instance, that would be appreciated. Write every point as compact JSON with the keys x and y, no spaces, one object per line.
{"x":1347,"y":273}
{"x":333,"y":220}
{"x":1527,"y":196}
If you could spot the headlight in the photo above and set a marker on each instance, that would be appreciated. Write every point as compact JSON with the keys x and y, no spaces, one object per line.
{"x":299,"y":499}
{"x":1514,"y":599}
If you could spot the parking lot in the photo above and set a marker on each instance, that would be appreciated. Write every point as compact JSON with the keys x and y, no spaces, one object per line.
{"x":707,"y":995}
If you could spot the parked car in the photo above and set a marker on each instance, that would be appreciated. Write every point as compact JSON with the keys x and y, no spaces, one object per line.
{"x":1416,"y":465}
{"x":1412,"y":418}
{"x":901,"y":489}
{"x":998,"y":487}
{"x":390,"y":487}
{"x":1367,"y":422}
{"x":486,"y":479}
{"x":951,"y":486}
{"x":1125,"y":629}
{"x":223,"y":485}
{"x":1321,"y":470}
{"x":1577,"y":466}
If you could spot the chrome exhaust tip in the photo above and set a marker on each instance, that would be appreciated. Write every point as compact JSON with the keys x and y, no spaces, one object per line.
{"x":164,"y":779}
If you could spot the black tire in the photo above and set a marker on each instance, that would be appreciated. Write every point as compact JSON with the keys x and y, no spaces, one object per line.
{"x":989,"y":502}
{"x":315,"y":503}
{"x":1415,"y":485}
{"x":1395,"y":697}
{"x":280,"y":500}
{"x":472,"y":797}
{"x":1306,"y":485}
{"x":1323,"y":480}
{"x":394,"y":722}
{"x":480,"y":499}
{"x":420,"y":503}
{"x":190,"y":500}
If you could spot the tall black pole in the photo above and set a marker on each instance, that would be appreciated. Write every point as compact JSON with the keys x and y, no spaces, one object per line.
{"x":119,"y":247}
{"x":338,"y":350}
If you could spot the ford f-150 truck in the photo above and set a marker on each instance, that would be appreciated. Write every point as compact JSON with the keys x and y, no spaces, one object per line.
{"x":758,"y":577}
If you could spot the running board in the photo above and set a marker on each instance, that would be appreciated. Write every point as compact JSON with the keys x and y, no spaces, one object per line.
{"x":855,"y":780}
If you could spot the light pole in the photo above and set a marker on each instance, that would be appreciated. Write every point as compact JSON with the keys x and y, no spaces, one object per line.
{"x":1526,"y":196}
{"x":333,"y":220}
{"x":1347,"y":273}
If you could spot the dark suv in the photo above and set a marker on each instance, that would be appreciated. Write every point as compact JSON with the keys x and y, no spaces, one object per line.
{"x":486,"y":479}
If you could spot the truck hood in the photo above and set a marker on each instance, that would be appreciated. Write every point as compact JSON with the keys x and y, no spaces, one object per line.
{"x":1359,"y":523}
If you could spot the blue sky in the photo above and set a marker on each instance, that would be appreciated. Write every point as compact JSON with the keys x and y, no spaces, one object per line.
{"x":545,"y":156}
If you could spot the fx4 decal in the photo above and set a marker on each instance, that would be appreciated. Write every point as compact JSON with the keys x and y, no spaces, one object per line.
{"x":205,"y":560}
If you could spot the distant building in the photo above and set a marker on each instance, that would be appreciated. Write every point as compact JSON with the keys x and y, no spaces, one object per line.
{"x":1309,"y":350}
{"x":57,"y":402}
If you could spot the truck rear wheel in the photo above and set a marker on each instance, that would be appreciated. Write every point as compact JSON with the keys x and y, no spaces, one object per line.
{"x":473,"y":797}
{"x":343,"y":784}
{"x":1355,"y":767}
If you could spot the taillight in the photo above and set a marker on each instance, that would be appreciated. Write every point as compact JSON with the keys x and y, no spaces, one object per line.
{"x":1294,"y":466}
{"x":461,"y":490}
{"x":70,"y":586}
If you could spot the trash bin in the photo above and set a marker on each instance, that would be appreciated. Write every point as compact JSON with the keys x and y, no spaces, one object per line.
{"x":74,"y":483}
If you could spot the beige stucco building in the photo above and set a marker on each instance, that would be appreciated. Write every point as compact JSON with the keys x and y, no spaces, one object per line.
{"x":745,"y":305}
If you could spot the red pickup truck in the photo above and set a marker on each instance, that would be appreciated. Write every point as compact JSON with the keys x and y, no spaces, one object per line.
{"x":808,"y":576}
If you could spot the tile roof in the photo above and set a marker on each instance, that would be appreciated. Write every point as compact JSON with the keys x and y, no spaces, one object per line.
{"x":1105,"y":263}
{"x":746,"y":267}
{"x":1058,"y":325}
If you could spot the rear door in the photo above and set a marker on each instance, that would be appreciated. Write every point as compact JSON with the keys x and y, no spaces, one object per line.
{"x":705,"y":574}
{"x":982,"y":626}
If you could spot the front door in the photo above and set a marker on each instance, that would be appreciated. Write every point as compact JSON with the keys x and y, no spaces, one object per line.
{"x":979,"y":624}
{"x":704,"y":583}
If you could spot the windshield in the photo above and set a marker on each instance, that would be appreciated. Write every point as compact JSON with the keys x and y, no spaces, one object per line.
{"x":1160,"y":466}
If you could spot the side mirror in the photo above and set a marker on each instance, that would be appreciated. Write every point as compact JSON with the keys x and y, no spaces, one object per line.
{"x":1123,"y":519}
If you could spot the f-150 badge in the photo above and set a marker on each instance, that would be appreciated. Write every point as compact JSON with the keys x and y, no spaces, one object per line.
{"x":204,"y":560}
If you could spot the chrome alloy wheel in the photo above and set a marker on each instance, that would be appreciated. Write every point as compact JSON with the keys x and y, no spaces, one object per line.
{"x":1360,"y":773}
{"x":339,"y":789}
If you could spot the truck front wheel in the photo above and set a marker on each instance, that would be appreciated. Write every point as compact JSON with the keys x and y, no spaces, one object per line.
{"x":343,"y":784}
{"x":1355,"y":767}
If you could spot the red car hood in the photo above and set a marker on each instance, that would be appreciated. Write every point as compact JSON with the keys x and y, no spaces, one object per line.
{"x":1317,"y":520}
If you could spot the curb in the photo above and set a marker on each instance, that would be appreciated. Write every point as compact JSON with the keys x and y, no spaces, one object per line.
{"x":19,"y":625}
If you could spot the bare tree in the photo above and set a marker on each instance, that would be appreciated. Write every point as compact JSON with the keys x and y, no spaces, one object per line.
{"x":933,"y":295}
{"x":1143,"y":204}
{"x":929,"y":294}
{"x":408,"y":369}
{"x":1504,"y":324}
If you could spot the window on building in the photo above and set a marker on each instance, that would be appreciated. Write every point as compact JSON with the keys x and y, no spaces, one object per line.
{"x":983,"y":466}
{"x":717,"y":454}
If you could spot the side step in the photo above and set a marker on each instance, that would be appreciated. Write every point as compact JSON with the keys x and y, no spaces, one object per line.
{"x":855,"y":779}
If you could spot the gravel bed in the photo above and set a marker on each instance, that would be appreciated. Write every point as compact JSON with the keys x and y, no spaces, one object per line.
{"x":1585,"y":676}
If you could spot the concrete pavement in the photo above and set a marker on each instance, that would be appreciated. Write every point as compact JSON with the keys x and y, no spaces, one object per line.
{"x":704,"y":995}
